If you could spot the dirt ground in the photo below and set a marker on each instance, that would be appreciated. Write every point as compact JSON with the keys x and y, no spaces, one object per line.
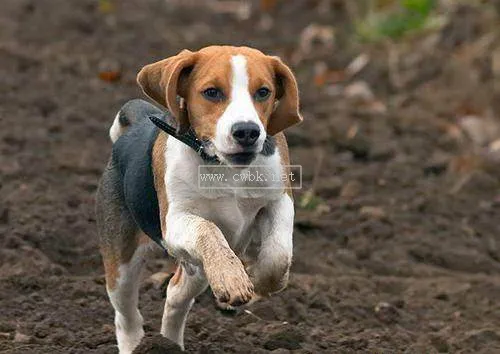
{"x":397,"y":239}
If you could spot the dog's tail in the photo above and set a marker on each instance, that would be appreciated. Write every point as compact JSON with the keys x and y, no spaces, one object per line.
{"x":130,"y":113}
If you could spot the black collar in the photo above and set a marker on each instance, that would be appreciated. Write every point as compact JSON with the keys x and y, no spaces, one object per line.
{"x":188,"y":138}
{"x":194,"y":143}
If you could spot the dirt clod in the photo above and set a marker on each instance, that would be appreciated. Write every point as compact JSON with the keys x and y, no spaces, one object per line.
{"x":157,"y":345}
{"x":287,"y":338}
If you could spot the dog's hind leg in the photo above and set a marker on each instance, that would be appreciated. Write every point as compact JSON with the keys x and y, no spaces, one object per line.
{"x":124,"y":297}
{"x":184,"y":286}
{"x":122,"y":248}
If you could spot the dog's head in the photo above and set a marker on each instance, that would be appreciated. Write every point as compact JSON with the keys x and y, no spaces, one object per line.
{"x":232,"y":97}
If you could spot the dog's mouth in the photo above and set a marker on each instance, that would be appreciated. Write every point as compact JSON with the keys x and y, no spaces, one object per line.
{"x":240,"y":158}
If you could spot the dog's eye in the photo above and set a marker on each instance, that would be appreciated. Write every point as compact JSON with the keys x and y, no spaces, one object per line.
{"x":213,"y":94}
{"x":262,"y":94}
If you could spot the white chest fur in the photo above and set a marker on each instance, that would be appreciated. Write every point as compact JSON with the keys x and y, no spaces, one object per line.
{"x":233,"y":205}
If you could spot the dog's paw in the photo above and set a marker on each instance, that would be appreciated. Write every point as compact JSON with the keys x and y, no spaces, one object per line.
{"x":226,"y":309}
{"x":268,"y":280}
{"x":230,"y":284}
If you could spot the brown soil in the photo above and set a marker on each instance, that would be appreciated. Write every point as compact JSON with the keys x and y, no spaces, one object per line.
{"x":400,"y":253}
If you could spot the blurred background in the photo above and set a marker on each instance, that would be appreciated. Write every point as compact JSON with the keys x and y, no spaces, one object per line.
{"x":397,"y":238}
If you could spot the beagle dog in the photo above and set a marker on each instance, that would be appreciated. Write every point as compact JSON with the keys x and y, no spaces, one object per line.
{"x":236,"y":101}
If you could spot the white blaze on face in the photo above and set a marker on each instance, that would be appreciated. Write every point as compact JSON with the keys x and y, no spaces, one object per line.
{"x":240,"y":109}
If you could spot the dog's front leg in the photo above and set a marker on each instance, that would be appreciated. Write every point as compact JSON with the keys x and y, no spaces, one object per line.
{"x":200,"y":242}
{"x":270,"y":272}
{"x":205,"y":256}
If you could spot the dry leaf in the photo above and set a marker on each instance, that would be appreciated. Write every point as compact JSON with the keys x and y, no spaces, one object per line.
{"x":109,"y":76}
{"x":320,"y":74}
{"x":358,"y":64}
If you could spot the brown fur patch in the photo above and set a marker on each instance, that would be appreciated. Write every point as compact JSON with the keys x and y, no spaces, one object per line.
{"x":111,"y":266}
{"x":159,"y":168}
{"x":177,"y":276}
{"x":191,"y":73}
{"x":144,"y":239}
{"x":282,"y":146}
{"x":116,"y":255}
{"x":114,"y":258}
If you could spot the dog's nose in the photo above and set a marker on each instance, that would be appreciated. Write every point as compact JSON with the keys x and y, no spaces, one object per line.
{"x":246,"y":134}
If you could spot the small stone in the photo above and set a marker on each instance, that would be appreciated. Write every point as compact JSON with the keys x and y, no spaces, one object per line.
{"x":495,"y":146}
{"x":376,"y":107}
{"x":21,"y":338}
{"x":479,"y":129}
{"x":386,"y":312}
{"x":359,"y":90}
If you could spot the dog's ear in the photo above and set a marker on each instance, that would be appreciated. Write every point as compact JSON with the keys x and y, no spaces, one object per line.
{"x":286,"y":113}
{"x":166,"y":79}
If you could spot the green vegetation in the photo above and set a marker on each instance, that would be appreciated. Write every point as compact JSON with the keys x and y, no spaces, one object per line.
{"x":310,"y":201}
{"x":401,"y":18}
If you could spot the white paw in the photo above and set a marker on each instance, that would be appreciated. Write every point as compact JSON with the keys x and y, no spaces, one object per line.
{"x":129,"y":332}
{"x":128,"y":341}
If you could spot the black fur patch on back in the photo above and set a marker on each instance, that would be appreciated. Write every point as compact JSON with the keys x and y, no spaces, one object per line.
{"x":132,"y":155}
